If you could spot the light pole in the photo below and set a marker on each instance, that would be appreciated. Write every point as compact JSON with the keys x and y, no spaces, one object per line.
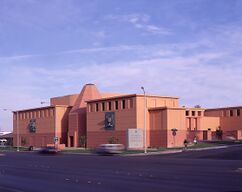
{"x":17,"y":125}
{"x":44,"y":102}
{"x":145,"y":106}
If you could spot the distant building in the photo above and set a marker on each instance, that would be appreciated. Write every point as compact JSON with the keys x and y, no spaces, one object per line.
{"x":6,"y":138}
{"x":92,"y":118}
{"x":4,"y":132}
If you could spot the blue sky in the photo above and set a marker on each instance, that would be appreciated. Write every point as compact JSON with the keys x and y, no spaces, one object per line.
{"x":189,"y":48}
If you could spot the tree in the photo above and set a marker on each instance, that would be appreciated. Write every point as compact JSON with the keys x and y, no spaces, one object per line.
{"x":83,"y":141}
{"x":23,"y":141}
{"x":112,"y":140}
{"x":219,"y":133}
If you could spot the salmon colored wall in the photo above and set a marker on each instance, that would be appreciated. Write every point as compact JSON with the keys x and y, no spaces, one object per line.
{"x":106,"y":95}
{"x":68,"y":100}
{"x":158,"y":131}
{"x":209,"y":123}
{"x":62,"y":123}
{"x":228,"y":122}
{"x":176,"y":119}
{"x":151,"y":102}
{"x":77,"y":125}
{"x":124,"y":119}
{"x":45,"y":122}
{"x":231,"y":123}
{"x":214,"y":113}
{"x":236,"y":134}
{"x":98,"y":137}
{"x":47,"y":119}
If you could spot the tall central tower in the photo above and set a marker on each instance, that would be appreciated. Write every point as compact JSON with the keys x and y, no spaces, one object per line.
{"x":77,"y":125}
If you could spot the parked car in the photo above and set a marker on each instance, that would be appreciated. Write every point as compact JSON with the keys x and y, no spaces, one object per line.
{"x":48,"y":150}
{"x":110,"y":149}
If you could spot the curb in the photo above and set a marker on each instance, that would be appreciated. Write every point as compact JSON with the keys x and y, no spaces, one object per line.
{"x":207,"y":148}
{"x":155,"y":153}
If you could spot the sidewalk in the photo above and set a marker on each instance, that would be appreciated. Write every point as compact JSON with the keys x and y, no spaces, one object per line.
{"x":175,"y":151}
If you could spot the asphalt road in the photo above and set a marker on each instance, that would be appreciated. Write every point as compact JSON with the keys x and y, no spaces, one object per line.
{"x":214,"y":170}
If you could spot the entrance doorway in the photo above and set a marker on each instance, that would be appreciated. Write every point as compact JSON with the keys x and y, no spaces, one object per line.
{"x":71,"y":141}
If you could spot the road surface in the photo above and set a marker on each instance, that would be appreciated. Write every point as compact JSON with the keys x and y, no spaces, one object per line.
{"x":214,"y":170}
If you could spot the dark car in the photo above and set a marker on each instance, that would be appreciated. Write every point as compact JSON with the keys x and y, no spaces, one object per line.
{"x":48,"y":150}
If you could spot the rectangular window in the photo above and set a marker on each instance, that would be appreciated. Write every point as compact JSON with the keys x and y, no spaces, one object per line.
{"x":103,"y":106}
{"x":231,"y":113}
{"x":123,"y":104}
{"x":238,"y":112}
{"x":116,"y":105}
{"x":97,"y":107}
{"x":193,"y":113}
{"x":131,"y":103}
{"x":187,"y":113}
{"x":199,"y":113}
{"x":109,"y":105}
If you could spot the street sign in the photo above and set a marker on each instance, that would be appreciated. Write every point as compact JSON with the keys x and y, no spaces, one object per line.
{"x":174,"y":130}
{"x":56,"y":139}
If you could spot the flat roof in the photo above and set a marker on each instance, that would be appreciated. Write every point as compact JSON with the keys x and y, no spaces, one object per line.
{"x":129,"y":95}
{"x":71,"y":95}
{"x":163,"y":108}
{"x":195,"y":108}
{"x":38,"y":108}
{"x":222,"y":108}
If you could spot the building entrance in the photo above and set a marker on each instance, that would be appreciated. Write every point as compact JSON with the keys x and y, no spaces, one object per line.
{"x":71,"y":141}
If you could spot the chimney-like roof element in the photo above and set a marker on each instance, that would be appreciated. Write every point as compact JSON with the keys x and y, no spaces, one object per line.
{"x":88,"y":92}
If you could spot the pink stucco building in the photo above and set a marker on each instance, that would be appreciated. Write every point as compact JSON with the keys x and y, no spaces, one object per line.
{"x":91,"y":118}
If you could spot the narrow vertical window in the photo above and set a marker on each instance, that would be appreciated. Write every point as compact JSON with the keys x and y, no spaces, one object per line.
{"x":109,"y":105}
{"x":103,"y":106}
{"x":238,"y":112}
{"x":231,"y":113}
{"x":116,"y":105}
{"x":97,"y":107}
{"x":131,"y":103}
{"x":187,"y":113}
{"x":123,"y":104}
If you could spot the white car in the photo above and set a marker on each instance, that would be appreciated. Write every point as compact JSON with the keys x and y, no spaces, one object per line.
{"x":110,"y":149}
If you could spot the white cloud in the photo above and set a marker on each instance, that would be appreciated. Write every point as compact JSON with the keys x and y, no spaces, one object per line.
{"x":141,"y":21}
{"x":206,"y":72}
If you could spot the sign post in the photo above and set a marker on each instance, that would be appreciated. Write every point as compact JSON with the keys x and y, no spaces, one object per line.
{"x":55,"y":140}
{"x":174,"y":130}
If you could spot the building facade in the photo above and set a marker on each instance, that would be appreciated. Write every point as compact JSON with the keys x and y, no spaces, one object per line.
{"x":91,"y":118}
